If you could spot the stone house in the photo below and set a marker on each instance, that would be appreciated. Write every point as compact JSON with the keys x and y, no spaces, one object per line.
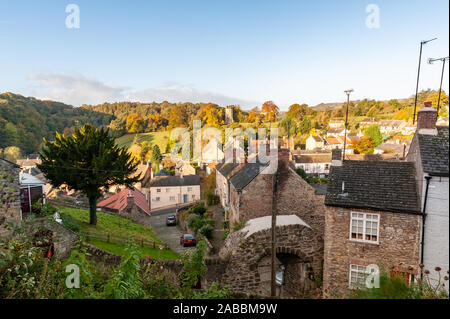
{"x":32,"y":189}
{"x":314,"y":142}
{"x":336,"y":124}
{"x":316,"y":164}
{"x":429,"y":151}
{"x":28,"y":163}
{"x":10,"y":196}
{"x":166,"y":191}
{"x":391,"y":126}
{"x":365,"y":123}
{"x":373,"y":218}
{"x":129,"y":203}
{"x":184,"y":169}
{"x":224,"y":172}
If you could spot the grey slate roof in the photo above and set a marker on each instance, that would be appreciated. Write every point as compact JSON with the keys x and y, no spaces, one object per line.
{"x":227,"y":168}
{"x":246,"y":175}
{"x":313,"y":158}
{"x":162,"y":172}
{"x":377,"y":185}
{"x":167,"y":181}
{"x":434,"y":152}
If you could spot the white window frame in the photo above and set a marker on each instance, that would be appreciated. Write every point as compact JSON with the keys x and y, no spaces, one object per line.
{"x":157,"y":199}
{"x":189,"y":189}
{"x":360,"y":269}
{"x":172,"y":198}
{"x":158,"y":190}
{"x":167,"y":190}
{"x":364,"y":220}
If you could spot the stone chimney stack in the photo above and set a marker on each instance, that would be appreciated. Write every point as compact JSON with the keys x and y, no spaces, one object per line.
{"x":336,"y":157}
{"x":426,"y":120}
{"x":130,"y":199}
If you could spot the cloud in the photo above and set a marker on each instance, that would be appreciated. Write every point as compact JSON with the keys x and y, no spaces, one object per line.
{"x":74,"y":90}
{"x":77,"y":90}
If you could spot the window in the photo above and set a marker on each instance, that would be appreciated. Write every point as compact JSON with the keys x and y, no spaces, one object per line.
{"x":407,"y":277}
{"x":189,"y":189}
{"x":172,"y":198}
{"x":157,"y":199}
{"x":327,"y":166}
{"x":357,"y":276}
{"x":193,"y":196}
{"x":167,"y":190}
{"x":364,"y":227}
{"x":158,"y":190}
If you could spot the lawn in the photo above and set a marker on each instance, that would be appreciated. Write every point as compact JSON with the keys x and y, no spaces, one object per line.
{"x":112,"y":224}
{"x":155,"y":138}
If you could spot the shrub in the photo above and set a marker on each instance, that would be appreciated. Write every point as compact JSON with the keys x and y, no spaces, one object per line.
{"x":212,"y":199}
{"x":196,"y":222}
{"x":207,"y":230}
{"x":199,"y":209}
{"x":239,"y":225}
{"x":69,"y":223}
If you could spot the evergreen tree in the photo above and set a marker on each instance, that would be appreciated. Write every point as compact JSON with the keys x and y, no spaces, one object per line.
{"x":87,"y":161}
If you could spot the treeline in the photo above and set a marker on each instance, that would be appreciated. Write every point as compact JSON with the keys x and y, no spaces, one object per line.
{"x":136,"y":117}
{"x":25,"y":121}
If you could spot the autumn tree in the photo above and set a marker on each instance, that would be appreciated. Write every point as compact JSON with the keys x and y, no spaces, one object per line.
{"x":364,"y":145}
{"x":270,"y":111}
{"x":87,"y":161}
{"x":254,"y":116}
{"x":178,"y":117}
{"x":135,"y":123}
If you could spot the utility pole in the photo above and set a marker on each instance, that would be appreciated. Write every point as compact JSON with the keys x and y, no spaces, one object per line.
{"x":430,"y":61}
{"x":273,"y":286}
{"x":418,"y":75}
{"x":346,"y":121}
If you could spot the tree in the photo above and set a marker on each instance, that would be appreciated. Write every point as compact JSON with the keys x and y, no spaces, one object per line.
{"x":364,"y":145}
{"x":254,"y":116}
{"x":373,"y":131}
{"x":12,"y":153}
{"x":135,"y":123}
{"x":87,"y":161}
{"x":305,"y":125}
{"x":156,"y":155}
{"x":270,"y":111}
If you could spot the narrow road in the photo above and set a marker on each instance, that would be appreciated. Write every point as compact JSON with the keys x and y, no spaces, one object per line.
{"x":168,"y":234}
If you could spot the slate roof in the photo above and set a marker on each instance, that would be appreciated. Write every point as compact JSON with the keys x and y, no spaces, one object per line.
{"x":226,"y":169}
{"x":167,"y":181}
{"x":162,"y":172}
{"x":382,"y":186}
{"x":434,"y":152}
{"x":246,"y":174}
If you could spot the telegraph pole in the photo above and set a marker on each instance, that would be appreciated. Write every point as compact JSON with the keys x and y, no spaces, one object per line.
{"x":346,"y":120}
{"x":418,"y":75}
{"x":430,"y":61}
{"x":273,"y":287}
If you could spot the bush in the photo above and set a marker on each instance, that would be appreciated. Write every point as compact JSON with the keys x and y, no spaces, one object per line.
{"x":69,"y":223}
{"x":212,"y":199}
{"x":196,"y":222}
{"x":239,"y":225}
{"x":207,"y":230}
{"x":199,"y":209}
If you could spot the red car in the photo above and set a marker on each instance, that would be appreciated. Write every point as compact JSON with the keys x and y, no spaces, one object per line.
{"x":188,"y":240}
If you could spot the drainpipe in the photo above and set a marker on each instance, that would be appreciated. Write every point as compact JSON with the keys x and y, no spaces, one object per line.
{"x":424,"y":214}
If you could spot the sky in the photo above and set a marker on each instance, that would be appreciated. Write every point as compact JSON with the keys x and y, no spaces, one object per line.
{"x":240,"y":52}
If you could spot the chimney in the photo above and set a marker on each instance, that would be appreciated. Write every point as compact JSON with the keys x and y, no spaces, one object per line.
{"x":426,"y":120}
{"x":130,"y":199}
{"x":336,"y":157}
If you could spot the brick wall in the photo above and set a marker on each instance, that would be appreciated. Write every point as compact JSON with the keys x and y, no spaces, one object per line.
{"x":10,"y":210}
{"x":399,"y":246}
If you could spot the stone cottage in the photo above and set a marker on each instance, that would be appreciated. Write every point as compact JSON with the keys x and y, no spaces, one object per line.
{"x":9,"y":196}
{"x":429,"y":152}
{"x":373,"y":218}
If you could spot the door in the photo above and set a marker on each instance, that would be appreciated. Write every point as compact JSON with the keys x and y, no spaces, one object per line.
{"x":25,"y":200}
{"x":185,"y":198}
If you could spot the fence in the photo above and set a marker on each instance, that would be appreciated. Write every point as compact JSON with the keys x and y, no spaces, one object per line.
{"x":109,"y":238}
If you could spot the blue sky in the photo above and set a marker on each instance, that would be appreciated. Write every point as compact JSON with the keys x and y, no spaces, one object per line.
{"x":223,"y":51}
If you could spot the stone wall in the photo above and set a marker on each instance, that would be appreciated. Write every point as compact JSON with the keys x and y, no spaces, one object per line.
{"x":399,"y":245}
{"x":10,"y":210}
{"x":247,"y":258}
{"x":254,"y":201}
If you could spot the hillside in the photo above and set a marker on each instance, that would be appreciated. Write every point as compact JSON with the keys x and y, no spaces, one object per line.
{"x":25,"y":121}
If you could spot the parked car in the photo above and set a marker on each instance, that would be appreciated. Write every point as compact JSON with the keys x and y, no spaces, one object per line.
{"x":171,"y":220}
{"x":188,"y":240}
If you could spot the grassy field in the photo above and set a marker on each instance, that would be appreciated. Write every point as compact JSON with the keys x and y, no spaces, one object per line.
{"x":112,"y":224}
{"x":156,"y":138}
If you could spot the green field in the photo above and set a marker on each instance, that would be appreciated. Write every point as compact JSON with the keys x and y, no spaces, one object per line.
{"x":155,"y":138}
{"x":112,"y":224}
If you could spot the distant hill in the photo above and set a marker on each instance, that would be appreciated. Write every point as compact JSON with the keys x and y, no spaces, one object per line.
{"x":25,"y":121}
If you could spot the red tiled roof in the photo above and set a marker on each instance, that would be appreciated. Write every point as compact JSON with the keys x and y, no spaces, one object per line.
{"x":119,"y":200}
